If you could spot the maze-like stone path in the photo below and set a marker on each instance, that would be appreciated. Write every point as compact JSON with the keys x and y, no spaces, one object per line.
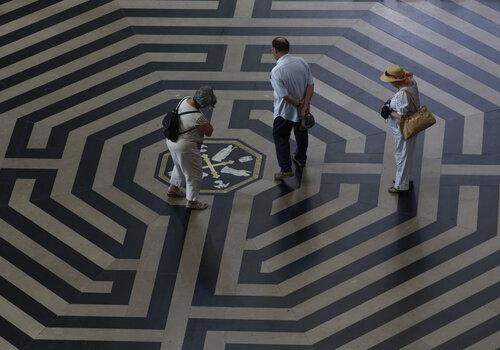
{"x":94,"y":256}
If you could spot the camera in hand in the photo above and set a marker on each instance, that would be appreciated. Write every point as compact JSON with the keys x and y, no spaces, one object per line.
{"x":386,"y":110}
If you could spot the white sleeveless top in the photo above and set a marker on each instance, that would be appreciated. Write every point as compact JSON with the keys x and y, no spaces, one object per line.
{"x":401,"y":102}
{"x":189,"y":121}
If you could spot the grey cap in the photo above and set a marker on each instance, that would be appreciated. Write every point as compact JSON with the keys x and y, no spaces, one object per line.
{"x":205,"y":97}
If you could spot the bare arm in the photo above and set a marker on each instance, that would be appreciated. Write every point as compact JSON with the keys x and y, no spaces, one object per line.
{"x":306,"y":102}
{"x":291,"y":100}
{"x":206,"y":128}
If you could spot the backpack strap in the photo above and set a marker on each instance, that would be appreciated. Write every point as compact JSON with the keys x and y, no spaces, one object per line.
{"x":190,"y":129}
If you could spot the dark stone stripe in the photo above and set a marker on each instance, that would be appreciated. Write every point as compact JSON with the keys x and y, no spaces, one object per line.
{"x":69,"y":79}
{"x":447,"y":31}
{"x":36,"y":233}
{"x":441,"y":55}
{"x":441,"y":319}
{"x":247,"y":31}
{"x":13,"y":334}
{"x":343,"y":14}
{"x":225,"y":10}
{"x":473,"y":335}
{"x":24,"y":302}
{"x":20,"y":135}
{"x":65,"y":58}
{"x":25,"y":10}
{"x":90,"y":345}
{"x":413,"y":301}
{"x":469,"y":16}
{"x":50,"y":21}
{"x":374,"y":321}
{"x":495,"y":5}
{"x":262,"y":9}
{"x":60,"y":38}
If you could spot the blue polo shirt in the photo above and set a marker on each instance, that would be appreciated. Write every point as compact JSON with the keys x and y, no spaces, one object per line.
{"x":290,"y":76}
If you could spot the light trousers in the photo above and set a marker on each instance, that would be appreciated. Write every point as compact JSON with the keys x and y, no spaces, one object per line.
{"x":187,"y":166}
{"x":404,"y":155}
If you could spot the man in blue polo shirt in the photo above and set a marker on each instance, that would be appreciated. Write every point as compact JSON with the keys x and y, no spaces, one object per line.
{"x":293,"y":88}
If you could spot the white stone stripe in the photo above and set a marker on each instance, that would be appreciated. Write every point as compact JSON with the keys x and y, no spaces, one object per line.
{"x":57,"y":28}
{"x":348,"y":195}
{"x":463,"y":324}
{"x":244,"y":9}
{"x":241,"y":22}
{"x":321,"y":5}
{"x":457,"y":23}
{"x":473,"y":134}
{"x":430,"y":173}
{"x":38,"y":15}
{"x":470,"y":169}
{"x":147,"y":270}
{"x":437,"y":39}
{"x":480,"y":9}
{"x":177,"y":57}
{"x":19,"y":319}
{"x":101,"y":334}
{"x":20,"y":201}
{"x":5,"y":345}
{"x":67,"y":46}
{"x":52,"y":262}
{"x":14,"y":5}
{"x":185,"y":283}
{"x":233,"y":58}
{"x":436,"y":66}
{"x":233,"y":40}
{"x":352,"y":168}
{"x":169,"y":5}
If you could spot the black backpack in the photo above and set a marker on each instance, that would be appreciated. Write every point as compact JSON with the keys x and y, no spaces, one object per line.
{"x":171,"y":123}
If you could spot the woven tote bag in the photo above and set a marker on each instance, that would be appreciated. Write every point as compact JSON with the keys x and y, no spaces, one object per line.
{"x":417,"y":121}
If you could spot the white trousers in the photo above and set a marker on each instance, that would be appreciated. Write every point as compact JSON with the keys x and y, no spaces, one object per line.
{"x":404,"y":155}
{"x":187,"y":166}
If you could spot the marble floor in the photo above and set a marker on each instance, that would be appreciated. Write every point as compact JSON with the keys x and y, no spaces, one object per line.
{"x":93,"y":255}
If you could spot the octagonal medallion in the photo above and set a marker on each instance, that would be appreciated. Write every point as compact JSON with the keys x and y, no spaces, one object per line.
{"x":227,"y":165}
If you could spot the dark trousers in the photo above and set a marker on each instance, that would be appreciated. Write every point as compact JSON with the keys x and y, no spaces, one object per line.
{"x":282,"y":129}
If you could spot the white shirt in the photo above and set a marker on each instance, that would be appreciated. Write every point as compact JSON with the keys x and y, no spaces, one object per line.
{"x":290,"y":76}
{"x":189,"y":121}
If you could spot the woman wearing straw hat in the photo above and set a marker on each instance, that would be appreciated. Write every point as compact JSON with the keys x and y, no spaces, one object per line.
{"x":404,"y":102}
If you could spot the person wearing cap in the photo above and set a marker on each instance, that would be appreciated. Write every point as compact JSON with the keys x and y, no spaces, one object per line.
{"x":293,"y":87}
{"x":185,"y":152}
{"x":404,"y":102}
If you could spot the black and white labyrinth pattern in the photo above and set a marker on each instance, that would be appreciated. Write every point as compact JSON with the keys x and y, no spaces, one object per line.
{"x":94,"y":256}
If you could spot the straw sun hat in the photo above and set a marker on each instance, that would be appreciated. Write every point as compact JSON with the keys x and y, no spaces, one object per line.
{"x":394,"y":73}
